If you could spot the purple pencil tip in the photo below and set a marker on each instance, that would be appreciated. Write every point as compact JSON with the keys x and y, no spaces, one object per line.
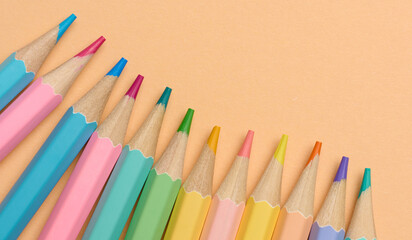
{"x":134,"y":89}
{"x":342,"y":170}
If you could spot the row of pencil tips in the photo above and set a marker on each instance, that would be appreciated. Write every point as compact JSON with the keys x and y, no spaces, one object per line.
{"x":166,"y":208}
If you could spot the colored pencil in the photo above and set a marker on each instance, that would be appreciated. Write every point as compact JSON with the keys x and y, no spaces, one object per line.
{"x":128,"y":177}
{"x":161,"y":188}
{"x":296,"y":217}
{"x":54,"y":157}
{"x":263,"y":206}
{"x":330,"y":222}
{"x":91,"y":171}
{"x":362,"y":225}
{"x":227,"y":205}
{"x":17,"y":71}
{"x":193,"y":200}
{"x":39,"y":99}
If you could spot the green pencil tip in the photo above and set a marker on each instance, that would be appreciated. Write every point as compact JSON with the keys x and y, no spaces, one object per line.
{"x":187,"y":122}
{"x":366,"y":182}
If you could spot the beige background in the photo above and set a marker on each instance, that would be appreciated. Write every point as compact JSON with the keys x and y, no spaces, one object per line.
{"x":335,"y":71}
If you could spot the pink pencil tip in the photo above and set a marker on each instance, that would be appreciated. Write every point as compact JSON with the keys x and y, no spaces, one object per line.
{"x":92,"y":48}
{"x":134,"y":89}
{"x":247,"y":145}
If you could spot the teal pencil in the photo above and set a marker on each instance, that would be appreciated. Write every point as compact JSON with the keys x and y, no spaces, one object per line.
{"x":128,"y":177}
{"x":17,"y":71}
{"x":362,"y":225}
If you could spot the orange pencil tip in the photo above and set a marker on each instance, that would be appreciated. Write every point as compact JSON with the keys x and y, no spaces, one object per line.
{"x":315,"y":151}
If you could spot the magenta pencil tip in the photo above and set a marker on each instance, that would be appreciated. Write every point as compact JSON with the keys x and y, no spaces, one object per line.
{"x":247,"y":145}
{"x":134,"y":89}
{"x":92,"y":48}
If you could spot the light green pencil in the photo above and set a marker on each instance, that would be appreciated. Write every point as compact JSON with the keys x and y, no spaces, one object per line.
{"x":161,"y":188}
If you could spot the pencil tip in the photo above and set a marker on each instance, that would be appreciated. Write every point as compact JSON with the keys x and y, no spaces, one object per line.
{"x":341,"y":174}
{"x":63,"y":26}
{"x":366,"y":182}
{"x":92,"y":48}
{"x":315,"y":151}
{"x":247,"y":145}
{"x":118,"y":68}
{"x":281,"y":149}
{"x":164,"y":99}
{"x":213,"y":138}
{"x":134,"y":89}
{"x":187,"y":122}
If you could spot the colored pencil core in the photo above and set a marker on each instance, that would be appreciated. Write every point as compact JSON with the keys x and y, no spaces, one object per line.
{"x":118,"y":68}
{"x":247,"y":145}
{"x":92,"y":48}
{"x":213,"y":138}
{"x":187,"y":122}
{"x":366,"y":182}
{"x":134,"y":89}
{"x":281,"y":149}
{"x":164,"y":99}
{"x":63,"y":26}
{"x":342,"y":170}
{"x":315,"y":151}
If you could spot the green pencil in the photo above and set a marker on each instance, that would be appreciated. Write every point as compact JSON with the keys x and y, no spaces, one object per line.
{"x":161,"y":188}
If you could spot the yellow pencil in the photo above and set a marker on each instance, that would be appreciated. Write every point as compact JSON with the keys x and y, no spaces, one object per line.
{"x":263,"y":207}
{"x":194,"y":197}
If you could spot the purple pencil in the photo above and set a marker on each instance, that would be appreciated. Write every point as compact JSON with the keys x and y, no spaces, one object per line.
{"x":330,"y":222}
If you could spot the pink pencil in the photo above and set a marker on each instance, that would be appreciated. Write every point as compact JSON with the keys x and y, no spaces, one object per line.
{"x":227,"y":205}
{"x":91,"y":171}
{"x":39,"y":99}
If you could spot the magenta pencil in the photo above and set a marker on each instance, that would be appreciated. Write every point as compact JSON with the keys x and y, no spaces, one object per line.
{"x":91,"y":171}
{"x":40,"y":98}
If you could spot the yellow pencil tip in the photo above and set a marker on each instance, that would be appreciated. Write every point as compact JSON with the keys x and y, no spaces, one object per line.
{"x":213,"y":138}
{"x":281,"y":149}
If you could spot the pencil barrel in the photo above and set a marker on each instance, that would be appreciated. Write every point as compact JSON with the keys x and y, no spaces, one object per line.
{"x":223,"y":219}
{"x":119,"y":195}
{"x":325,"y":233}
{"x":82,"y":189}
{"x":43,"y":173}
{"x":154,"y":207}
{"x":13,"y":79}
{"x":188,"y":216}
{"x":292,"y":226}
{"x":258,"y":220}
{"x":24,"y":114}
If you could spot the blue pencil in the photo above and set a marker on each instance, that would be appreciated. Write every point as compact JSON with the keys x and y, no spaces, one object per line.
{"x":54,"y":157}
{"x":17,"y":71}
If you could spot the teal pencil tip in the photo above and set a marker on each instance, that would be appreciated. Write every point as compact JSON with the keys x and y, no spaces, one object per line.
{"x":63,"y":26}
{"x":187,"y":122}
{"x":164,"y":99}
{"x":118,"y":68}
{"x":366,"y":182}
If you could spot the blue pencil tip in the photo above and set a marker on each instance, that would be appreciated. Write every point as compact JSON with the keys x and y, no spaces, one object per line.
{"x":118,"y":68}
{"x":63,"y":26}
{"x":164,"y":99}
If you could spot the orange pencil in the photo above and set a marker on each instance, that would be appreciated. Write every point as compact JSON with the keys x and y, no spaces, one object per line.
{"x":296,"y":217}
